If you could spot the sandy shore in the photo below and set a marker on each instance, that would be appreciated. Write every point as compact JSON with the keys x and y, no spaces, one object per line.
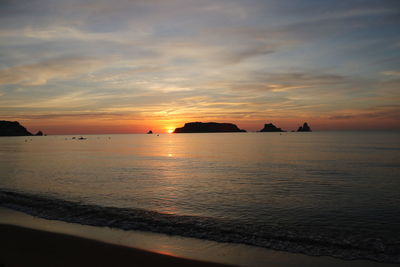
{"x":27,"y":247}
{"x":30,"y":241}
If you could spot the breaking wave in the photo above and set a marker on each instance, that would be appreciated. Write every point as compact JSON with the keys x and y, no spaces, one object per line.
{"x":335,"y":243}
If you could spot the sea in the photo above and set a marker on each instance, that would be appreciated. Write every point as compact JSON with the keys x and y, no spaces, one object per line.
{"x":316,"y":193}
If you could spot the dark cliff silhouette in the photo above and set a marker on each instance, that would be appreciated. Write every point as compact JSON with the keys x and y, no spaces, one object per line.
{"x":304,"y":128}
{"x":271,"y":128}
{"x":208,"y":127}
{"x":13,"y":128}
{"x":150,"y":132}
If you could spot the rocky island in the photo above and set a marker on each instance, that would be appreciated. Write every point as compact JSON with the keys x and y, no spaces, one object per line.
{"x":271,"y":128}
{"x":13,"y":128}
{"x":208,"y":127}
{"x":304,"y":128}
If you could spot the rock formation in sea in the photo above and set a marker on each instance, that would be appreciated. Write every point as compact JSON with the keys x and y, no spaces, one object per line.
{"x":304,"y":128}
{"x":39,"y":133}
{"x":271,"y":128}
{"x":13,"y":128}
{"x":208,"y":127}
{"x":150,"y":132}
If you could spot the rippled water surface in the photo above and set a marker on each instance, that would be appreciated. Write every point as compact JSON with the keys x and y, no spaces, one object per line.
{"x":320,"y":193}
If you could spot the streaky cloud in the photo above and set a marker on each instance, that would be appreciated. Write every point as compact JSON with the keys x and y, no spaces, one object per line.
{"x":40,"y":73}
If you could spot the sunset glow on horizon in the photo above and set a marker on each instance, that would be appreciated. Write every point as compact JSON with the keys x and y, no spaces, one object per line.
{"x":87,"y":67}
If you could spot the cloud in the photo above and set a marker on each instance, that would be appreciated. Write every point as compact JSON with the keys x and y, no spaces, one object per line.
{"x":342,"y":117}
{"x":239,"y":55}
{"x":282,"y":82}
{"x":41,"y":73}
{"x":377,"y":112}
{"x":310,"y":23}
{"x":395,"y":73}
{"x":162,"y":59}
{"x":87,"y":115}
{"x":63,"y":33}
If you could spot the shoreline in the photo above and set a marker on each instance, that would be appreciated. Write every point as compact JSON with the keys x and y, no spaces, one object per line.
{"x":22,"y":246}
{"x":131,"y":244}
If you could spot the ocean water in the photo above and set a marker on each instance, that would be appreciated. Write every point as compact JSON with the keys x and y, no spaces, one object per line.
{"x":319,"y":193}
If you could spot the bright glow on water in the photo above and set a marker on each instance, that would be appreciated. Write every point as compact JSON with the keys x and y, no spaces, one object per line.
{"x":312,"y":182}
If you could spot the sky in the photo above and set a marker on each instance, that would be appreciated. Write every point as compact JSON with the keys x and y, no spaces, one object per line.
{"x":82,"y":67}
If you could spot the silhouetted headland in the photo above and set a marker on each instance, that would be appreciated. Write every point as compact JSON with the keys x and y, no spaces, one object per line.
{"x":304,"y":128}
{"x":13,"y":128}
{"x":208,"y":127}
{"x":271,"y":128}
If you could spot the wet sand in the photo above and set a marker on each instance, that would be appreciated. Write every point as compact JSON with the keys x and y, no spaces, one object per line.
{"x":31,"y":241}
{"x":27,"y":247}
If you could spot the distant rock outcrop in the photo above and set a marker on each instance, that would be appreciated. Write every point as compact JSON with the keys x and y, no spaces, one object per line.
{"x":208,"y":127}
{"x":271,"y":128}
{"x":13,"y":128}
{"x":150,"y":132}
{"x":304,"y":128}
{"x":40,"y":133}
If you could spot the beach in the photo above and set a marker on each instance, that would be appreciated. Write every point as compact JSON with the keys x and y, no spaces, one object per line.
{"x":33,"y":241}
{"x":28,"y":247}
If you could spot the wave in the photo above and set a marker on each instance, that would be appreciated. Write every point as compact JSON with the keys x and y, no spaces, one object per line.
{"x":335,"y":243}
